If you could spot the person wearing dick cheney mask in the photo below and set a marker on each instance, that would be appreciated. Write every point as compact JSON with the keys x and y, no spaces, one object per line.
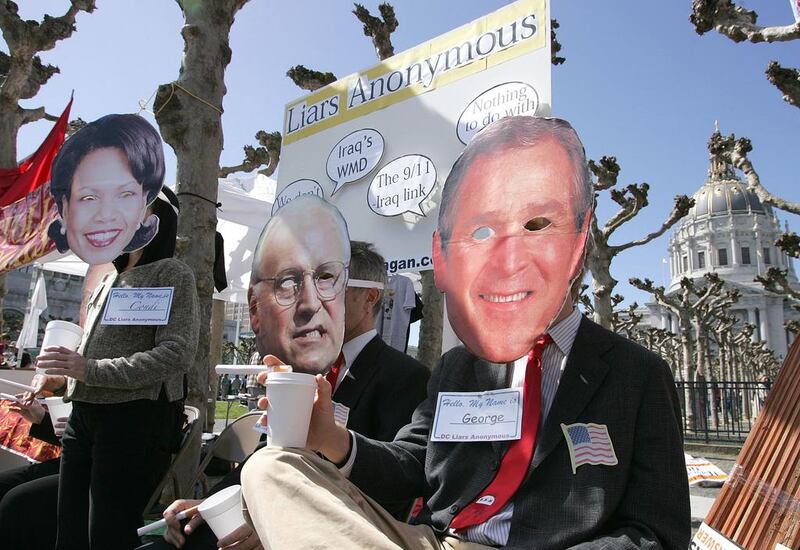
{"x":543,"y":430}
{"x":312,"y":293}
{"x":126,"y":381}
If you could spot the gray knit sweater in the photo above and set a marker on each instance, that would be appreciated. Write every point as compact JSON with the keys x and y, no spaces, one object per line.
{"x":129,"y":362}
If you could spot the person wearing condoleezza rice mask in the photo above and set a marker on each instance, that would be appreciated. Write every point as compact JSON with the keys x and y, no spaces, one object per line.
{"x":127,"y":380}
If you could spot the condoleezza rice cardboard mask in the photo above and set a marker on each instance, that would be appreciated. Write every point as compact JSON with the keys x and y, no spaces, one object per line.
{"x":103,"y":179}
{"x":512,"y":234}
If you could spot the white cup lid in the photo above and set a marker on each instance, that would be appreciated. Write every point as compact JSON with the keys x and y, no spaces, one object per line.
{"x":292,"y":378}
{"x":221,"y":502}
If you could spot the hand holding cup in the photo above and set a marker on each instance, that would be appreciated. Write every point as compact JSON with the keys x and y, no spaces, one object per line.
{"x":175,"y":533}
{"x":324,"y":435}
{"x":61,"y":361}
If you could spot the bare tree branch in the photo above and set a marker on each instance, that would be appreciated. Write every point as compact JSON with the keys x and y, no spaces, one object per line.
{"x":555,"y":45}
{"x":631,"y":205}
{"x":737,"y":23}
{"x":789,"y":243}
{"x":735,"y":152}
{"x":585,"y":301}
{"x":26,"y":116}
{"x":308,"y":79}
{"x":380,"y":30}
{"x":606,"y":172}
{"x":268,"y":154}
{"x":631,"y":200}
{"x":648,"y":286}
{"x":626,"y":320}
{"x":679,"y":209}
{"x":39,"y":75}
{"x":786,"y":80}
{"x":26,"y":38}
{"x":75,"y":125}
{"x":716,"y":301}
{"x":776,"y":281}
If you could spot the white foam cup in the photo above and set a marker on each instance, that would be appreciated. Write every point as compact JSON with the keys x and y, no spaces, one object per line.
{"x":62,"y":333}
{"x":223,"y":511}
{"x":57,"y":409}
{"x":291,"y":398}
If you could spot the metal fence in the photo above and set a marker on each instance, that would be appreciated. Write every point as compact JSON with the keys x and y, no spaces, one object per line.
{"x":720,"y":411}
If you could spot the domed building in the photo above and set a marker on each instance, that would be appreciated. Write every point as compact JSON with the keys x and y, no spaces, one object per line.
{"x":730,"y":232}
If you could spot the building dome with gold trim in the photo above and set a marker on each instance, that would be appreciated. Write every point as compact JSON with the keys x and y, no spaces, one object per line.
{"x":730,"y":232}
{"x":720,"y":198}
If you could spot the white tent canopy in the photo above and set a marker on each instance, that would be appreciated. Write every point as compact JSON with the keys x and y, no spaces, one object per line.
{"x":246,"y":206}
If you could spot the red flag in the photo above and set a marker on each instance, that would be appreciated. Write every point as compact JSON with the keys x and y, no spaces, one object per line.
{"x":23,"y":229}
{"x":34,"y":171}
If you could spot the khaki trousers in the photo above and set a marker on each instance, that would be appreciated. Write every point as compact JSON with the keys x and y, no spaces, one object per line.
{"x":296,"y":500}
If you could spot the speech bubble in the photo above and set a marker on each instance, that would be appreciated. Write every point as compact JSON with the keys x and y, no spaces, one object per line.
{"x":503,"y":100}
{"x":297,"y":188}
{"x":401,"y":186}
{"x":354,"y":157}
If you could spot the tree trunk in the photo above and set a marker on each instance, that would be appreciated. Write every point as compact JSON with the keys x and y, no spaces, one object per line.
{"x":430,"y":330}
{"x":702,"y":408}
{"x":746,"y":412}
{"x":722,"y":357}
{"x":599,"y":263}
{"x":687,"y":350}
{"x":189,"y":114}
{"x":214,"y":358}
{"x":8,"y":159}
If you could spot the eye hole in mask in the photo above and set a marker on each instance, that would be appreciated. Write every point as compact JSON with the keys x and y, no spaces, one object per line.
{"x":482,"y":233}
{"x":537,"y":224}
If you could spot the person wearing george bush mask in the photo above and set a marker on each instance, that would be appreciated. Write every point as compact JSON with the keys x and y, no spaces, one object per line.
{"x":597,"y":462}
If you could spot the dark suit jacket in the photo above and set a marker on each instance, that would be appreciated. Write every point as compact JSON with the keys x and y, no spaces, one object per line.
{"x":642,"y":502}
{"x":382,"y":388}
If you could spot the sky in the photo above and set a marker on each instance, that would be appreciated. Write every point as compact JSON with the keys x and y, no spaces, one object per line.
{"x":638,"y":84}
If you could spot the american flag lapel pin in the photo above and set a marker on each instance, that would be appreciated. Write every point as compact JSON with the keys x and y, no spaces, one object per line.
{"x":589,"y":444}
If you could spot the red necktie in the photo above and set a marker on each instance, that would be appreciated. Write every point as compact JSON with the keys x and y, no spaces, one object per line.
{"x":333,"y":374}
{"x":517,"y":459}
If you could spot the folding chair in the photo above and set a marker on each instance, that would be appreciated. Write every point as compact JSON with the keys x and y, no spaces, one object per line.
{"x":11,"y":459}
{"x":191,"y":429}
{"x":234,"y":444}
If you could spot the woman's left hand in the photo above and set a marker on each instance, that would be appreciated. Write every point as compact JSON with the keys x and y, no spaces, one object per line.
{"x":63,"y":361}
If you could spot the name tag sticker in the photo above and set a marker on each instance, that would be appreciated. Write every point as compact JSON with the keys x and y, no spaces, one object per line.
{"x":341,"y":413}
{"x":138,"y":306}
{"x":478,"y":416}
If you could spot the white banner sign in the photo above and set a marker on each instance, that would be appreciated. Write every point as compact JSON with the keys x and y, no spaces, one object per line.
{"x":379,"y":144}
{"x":708,"y":539}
